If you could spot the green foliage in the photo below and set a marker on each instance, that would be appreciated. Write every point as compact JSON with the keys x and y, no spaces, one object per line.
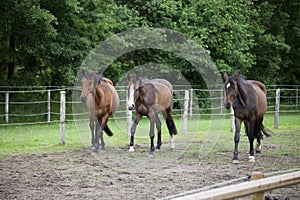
{"x":45,"y":42}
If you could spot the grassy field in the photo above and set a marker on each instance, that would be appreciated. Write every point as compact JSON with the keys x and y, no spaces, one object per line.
{"x":45,"y":138}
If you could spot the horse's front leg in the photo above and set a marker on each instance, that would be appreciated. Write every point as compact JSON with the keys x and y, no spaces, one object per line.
{"x":158,"y":127}
{"x":238,"y":123}
{"x":132,"y":131}
{"x":92,"y":132}
{"x":98,"y":135}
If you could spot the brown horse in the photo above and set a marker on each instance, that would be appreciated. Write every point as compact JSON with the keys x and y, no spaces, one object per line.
{"x":249,"y":102}
{"x":102,"y":101}
{"x":149,"y":98}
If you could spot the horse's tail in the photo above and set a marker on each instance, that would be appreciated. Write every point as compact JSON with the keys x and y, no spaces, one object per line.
{"x":170,"y":123}
{"x":108,"y":131}
{"x":265,"y":131}
{"x":261,"y":130}
{"x":172,"y":126}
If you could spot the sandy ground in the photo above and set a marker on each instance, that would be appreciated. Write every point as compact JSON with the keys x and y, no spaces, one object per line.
{"x":118,"y":174}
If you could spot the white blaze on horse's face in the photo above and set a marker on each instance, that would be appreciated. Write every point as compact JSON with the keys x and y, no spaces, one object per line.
{"x":228,"y":94}
{"x":130,"y":101}
{"x":228,"y":85}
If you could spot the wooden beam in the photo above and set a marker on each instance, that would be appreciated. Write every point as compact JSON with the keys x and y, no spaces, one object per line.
{"x":247,"y":188}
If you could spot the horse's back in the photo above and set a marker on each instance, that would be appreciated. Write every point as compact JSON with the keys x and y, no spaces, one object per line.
{"x":110,"y":97}
{"x":114,"y":96}
{"x":164,"y":82}
{"x":258,"y":84}
{"x":164,"y":95}
{"x":115,"y":102}
{"x":108,"y":81}
{"x":261,"y":97}
{"x":158,"y":92}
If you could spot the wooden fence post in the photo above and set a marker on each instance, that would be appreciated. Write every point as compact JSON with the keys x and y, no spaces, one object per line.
{"x":185,"y":111}
{"x":259,"y":195}
{"x":277,"y":106}
{"x":232,"y":119}
{"x":191,"y":103}
{"x":48,"y":105}
{"x":6,"y":106}
{"x":62,"y":116}
{"x":128,"y":116}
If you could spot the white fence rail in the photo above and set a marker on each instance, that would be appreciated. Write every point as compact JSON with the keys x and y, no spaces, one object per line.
{"x":280,"y":100}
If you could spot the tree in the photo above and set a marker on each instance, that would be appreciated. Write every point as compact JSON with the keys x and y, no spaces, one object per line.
{"x":45,"y":42}
{"x":25,"y":35}
{"x":270,"y":47}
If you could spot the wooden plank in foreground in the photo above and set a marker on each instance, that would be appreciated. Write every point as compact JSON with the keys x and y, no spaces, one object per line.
{"x":247,"y":188}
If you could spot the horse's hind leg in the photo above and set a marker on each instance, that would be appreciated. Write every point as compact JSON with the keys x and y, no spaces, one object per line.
{"x":258,"y":146}
{"x":151,"y":134}
{"x":171,"y":126}
{"x":258,"y":135}
{"x":158,"y":127}
{"x":250,"y":126}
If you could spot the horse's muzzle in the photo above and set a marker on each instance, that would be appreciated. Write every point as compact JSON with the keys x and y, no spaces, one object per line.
{"x":131,"y":107}
{"x":83,"y":99}
{"x":227,"y":105}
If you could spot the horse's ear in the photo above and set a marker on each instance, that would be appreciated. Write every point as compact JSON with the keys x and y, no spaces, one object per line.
{"x":140,"y":82}
{"x":83,"y":72}
{"x":236,"y":76}
{"x":128,"y":77}
{"x":97,"y":78}
{"x":225,"y":76}
{"x":137,"y":76}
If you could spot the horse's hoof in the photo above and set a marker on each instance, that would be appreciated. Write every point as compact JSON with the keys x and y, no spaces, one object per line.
{"x":258,"y":148}
{"x":151,"y":155}
{"x":251,"y":159}
{"x":94,"y":153}
{"x":235,"y":161}
{"x":131,"y":149}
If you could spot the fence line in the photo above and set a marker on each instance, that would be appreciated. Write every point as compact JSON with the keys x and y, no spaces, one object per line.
{"x":186,"y":99}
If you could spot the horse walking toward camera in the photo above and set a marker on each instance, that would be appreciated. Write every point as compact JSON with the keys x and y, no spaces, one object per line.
{"x":249,"y":102}
{"x":102,"y":100}
{"x":149,"y":98}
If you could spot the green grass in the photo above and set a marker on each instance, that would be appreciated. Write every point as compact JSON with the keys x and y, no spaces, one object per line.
{"x":45,"y":138}
{"x":41,"y":138}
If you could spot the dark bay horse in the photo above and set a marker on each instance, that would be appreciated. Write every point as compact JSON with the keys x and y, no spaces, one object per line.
{"x":149,"y":98}
{"x":249,"y":102}
{"x":102,"y":100}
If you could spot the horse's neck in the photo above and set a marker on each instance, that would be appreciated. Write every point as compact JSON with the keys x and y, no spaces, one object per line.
{"x":244,"y":89}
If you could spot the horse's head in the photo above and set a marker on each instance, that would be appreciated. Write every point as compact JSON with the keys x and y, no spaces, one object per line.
{"x":88,"y":83}
{"x":132,"y":91}
{"x":230,"y":89}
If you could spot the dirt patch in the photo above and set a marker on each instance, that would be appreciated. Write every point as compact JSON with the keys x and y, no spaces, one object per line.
{"x":117,"y":174}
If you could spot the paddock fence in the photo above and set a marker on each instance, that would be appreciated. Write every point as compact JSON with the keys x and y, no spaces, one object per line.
{"x":34,"y":105}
